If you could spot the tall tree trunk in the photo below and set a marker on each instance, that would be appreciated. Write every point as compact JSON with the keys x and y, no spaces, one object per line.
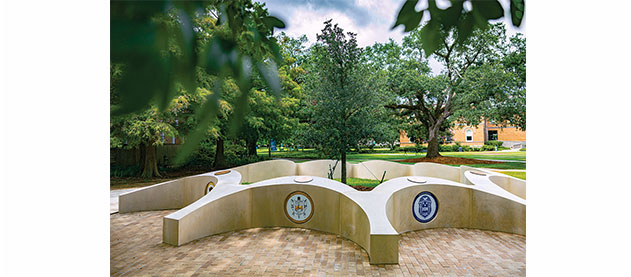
{"x":432,"y":144}
{"x":251,"y":146}
{"x":343,"y":167}
{"x":150,"y":168}
{"x":220,"y":158}
{"x":269,"y":149}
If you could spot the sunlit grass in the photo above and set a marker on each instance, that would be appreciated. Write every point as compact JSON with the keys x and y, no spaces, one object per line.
{"x":360,"y":182}
{"x":516,"y":174}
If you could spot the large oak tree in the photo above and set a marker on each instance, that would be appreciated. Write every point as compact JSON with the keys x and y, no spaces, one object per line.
{"x":482,"y":79}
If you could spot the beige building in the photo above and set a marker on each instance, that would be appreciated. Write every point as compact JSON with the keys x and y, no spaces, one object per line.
{"x":478,"y":135}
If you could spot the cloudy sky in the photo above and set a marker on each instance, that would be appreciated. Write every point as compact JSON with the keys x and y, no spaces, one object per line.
{"x":370,"y":19}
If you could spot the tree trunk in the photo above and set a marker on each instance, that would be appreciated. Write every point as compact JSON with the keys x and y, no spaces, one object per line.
{"x":150,"y":168}
{"x":432,"y":144}
{"x":269,"y":149}
{"x":220,"y":158}
{"x":251,"y":146}
{"x":343,"y":167}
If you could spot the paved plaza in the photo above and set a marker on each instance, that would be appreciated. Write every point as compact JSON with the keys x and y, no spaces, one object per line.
{"x":136,"y":248}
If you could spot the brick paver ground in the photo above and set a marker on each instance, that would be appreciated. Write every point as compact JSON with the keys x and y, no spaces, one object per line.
{"x":136,"y":248}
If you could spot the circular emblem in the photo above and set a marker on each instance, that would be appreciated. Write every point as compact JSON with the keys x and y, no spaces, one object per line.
{"x":209,"y":187}
{"x":299,"y":207}
{"x":425,"y":207}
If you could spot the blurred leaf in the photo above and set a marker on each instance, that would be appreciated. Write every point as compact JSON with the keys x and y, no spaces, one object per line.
{"x":430,"y":37}
{"x":205,"y":116}
{"x":270,"y":75}
{"x":465,"y":28}
{"x":238,"y":116}
{"x":517,"y":8}
{"x":451,"y":16}
{"x":408,"y":16}
{"x":272,"y":22}
{"x":489,"y":9}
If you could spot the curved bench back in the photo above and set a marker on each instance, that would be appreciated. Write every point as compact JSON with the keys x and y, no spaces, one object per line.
{"x":264,"y":170}
{"x":510,"y":184}
{"x":375,"y":169}
{"x":263,"y":206}
{"x":458,"y":207}
{"x":174,"y":194}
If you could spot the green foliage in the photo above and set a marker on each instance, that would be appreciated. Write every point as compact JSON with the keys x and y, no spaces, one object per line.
{"x":494,"y":143}
{"x":483,"y":79}
{"x":345,"y":95}
{"x":455,"y":16}
{"x":162,"y":45}
{"x":361,"y":182}
{"x":523,"y":149}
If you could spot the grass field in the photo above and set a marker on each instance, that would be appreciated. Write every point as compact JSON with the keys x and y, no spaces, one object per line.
{"x":516,"y":174}
{"x":361,"y":182}
{"x":385,"y":154}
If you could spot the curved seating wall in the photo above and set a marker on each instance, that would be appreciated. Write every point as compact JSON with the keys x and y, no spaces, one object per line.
{"x":459,"y":207}
{"x":174,"y":194}
{"x":260,"y":171}
{"x":510,"y":184}
{"x":372,"y":219}
{"x":231,"y":208}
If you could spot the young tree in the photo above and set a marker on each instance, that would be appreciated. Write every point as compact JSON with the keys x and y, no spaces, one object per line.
{"x":345,"y":96}
{"x":474,"y":85}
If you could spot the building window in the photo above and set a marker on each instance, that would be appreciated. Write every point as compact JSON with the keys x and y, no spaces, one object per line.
{"x":469,"y":135}
{"x":492,"y":134}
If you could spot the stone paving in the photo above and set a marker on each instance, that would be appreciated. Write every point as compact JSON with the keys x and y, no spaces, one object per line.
{"x":136,"y":248}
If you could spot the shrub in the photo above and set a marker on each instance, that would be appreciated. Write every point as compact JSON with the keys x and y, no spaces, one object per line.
{"x":450,"y":148}
{"x":522,"y":149}
{"x":494,"y":143}
{"x":488,"y":147}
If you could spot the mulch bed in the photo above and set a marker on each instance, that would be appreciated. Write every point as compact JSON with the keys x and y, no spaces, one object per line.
{"x":448,"y":160}
{"x":362,"y":188}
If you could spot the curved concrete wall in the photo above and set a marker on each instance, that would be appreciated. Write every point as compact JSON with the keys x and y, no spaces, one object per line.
{"x":173,"y":194}
{"x":510,"y":184}
{"x":264,"y":170}
{"x":320,"y":168}
{"x":459,"y":207}
{"x":436,"y":170}
{"x":375,"y":170}
{"x":374,"y":219}
{"x":230,"y":208}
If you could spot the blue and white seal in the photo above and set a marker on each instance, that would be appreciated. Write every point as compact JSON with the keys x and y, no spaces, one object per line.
{"x":425,"y":207}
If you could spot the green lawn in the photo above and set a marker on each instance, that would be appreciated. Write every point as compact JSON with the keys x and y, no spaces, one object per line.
{"x":491,"y":155}
{"x":361,"y":182}
{"x":516,"y":174}
{"x":386,"y":155}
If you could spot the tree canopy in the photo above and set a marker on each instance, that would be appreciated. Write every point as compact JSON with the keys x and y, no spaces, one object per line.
{"x":475,"y":84}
